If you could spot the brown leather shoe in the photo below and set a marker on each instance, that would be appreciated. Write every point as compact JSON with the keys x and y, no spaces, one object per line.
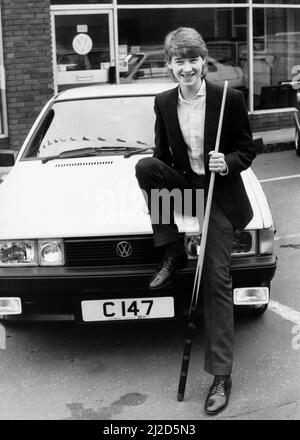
{"x":218,"y":396}
{"x":164,"y":275}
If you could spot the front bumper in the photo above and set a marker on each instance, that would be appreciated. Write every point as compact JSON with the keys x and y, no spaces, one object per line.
{"x":50,"y":292}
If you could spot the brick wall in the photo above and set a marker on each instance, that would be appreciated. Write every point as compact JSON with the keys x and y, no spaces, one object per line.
{"x":28,"y":64}
{"x":271,"y":121}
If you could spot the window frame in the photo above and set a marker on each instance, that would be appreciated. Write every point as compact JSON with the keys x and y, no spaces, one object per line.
{"x":248,"y":5}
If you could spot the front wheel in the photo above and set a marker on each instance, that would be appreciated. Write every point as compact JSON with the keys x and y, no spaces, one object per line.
{"x":297,"y":133}
{"x":252,"y":311}
{"x":297,"y":142}
{"x":258,"y":310}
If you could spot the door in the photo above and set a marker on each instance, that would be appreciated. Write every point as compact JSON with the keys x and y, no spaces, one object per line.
{"x":83,"y":48}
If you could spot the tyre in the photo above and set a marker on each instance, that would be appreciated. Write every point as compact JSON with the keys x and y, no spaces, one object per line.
{"x":252,"y":311}
{"x":258,"y":310}
{"x":297,"y":142}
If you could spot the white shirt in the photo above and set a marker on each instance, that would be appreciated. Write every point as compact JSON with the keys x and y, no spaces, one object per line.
{"x":191,"y":115}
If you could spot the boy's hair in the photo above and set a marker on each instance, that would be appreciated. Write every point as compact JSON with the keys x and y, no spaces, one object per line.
{"x":185,"y":42}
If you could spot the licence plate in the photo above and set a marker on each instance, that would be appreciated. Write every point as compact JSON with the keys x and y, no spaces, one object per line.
{"x":127,"y":308}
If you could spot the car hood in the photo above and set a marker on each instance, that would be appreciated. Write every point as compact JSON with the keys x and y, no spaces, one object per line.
{"x":75,"y":198}
{"x":83,"y":197}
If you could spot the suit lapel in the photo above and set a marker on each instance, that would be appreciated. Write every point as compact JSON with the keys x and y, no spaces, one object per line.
{"x":173,"y":115}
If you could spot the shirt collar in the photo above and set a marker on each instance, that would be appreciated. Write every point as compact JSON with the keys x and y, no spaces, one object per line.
{"x":201,"y":92}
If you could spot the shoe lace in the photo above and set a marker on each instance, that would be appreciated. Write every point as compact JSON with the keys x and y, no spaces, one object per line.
{"x":167,"y":263}
{"x":218,"y":387}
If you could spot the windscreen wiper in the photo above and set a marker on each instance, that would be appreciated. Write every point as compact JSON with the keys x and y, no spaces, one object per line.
{"x":85,"y":152}
{"x":137,"y":151}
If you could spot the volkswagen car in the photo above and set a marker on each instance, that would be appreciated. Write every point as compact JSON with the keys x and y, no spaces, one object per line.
{"x":75,"y":231}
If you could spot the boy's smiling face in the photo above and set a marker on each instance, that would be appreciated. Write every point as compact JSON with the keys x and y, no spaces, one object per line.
{"x":187,"y":71}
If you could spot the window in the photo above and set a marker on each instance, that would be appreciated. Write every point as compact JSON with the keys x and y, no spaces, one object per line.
{"x":274,"y":2}
{"x":78,"y":2}
{"x":276,"y":62}
{"x":165,"y":2}
{"x":142,"y":33}
{"x":154,"y":66}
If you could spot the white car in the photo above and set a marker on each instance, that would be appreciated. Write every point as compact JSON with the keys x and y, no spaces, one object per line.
{"x":75,"y":233}
{"x":152,"y":67}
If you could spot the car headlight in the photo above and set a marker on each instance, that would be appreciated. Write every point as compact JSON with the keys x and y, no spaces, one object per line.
{"x":192,"y":245}
{"x":244,"y":243}
{"x":18,"y":253}
{"x":51,"y":252}
{"x":266,"y":241}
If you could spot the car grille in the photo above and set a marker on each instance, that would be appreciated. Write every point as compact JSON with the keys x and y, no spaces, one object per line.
{"x":102,"y":251}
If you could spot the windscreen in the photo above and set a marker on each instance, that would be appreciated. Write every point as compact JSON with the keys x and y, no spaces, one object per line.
{"x":71,"y":125}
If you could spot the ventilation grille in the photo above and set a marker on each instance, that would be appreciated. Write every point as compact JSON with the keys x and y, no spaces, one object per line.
{"x":80,"y":164}
{"x":102,"y":251}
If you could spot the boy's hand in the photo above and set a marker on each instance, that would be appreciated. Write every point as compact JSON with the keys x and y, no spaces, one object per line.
{"x":217,"y":163}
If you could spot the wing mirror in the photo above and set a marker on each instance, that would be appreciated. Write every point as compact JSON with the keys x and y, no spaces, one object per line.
{"x":8,"y":158}
{"x":7,"y":161}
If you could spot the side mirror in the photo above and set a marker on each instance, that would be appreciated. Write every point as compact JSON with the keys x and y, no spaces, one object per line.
{"x":7,"y":161}
{"x":8,"y":158}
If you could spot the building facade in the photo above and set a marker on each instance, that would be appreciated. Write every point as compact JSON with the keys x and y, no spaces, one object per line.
{"x":50,"y":45}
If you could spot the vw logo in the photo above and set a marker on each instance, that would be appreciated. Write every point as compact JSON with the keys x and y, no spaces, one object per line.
{"x":124,"y":249}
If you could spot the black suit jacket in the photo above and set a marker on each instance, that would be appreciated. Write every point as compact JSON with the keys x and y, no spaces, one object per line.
{"x":235,"y":143}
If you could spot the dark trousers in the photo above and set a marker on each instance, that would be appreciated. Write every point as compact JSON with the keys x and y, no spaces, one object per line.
{"x":216,"y":280}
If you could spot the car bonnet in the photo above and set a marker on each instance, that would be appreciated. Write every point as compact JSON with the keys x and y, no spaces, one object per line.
{"x":75,"y":198}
